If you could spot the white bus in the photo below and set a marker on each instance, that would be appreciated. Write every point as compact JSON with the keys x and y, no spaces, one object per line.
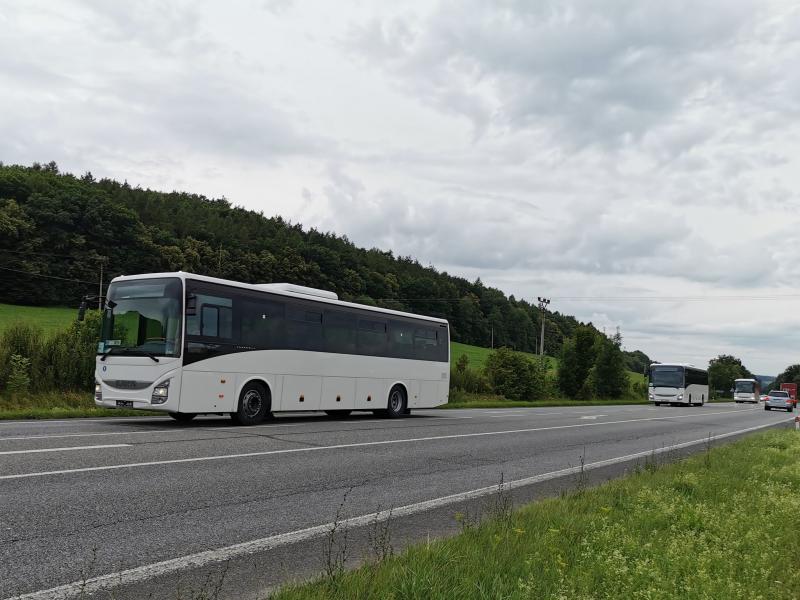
{"x":746,"y":390}
{"x":674,"y":383}
{"x":188,"y":344}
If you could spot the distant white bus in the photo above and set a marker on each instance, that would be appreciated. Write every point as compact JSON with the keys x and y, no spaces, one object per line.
{"x":188,"y":344}
{"x":674,"y":383}
{"x":746,"y":390}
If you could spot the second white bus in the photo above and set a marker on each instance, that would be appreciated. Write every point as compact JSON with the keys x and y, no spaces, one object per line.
{"x":676,"y":383}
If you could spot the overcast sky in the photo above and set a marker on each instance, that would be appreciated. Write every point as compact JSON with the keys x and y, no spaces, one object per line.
{"x":615,"y":150}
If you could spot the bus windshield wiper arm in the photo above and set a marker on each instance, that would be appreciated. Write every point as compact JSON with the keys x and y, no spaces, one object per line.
{"x":149,"y":355}
{"x":107,"y":352}
{"x":135,"y":350}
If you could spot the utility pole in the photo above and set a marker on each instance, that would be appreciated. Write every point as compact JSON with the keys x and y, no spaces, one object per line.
{"x":543,"y":302}
{"x":103,"y":260}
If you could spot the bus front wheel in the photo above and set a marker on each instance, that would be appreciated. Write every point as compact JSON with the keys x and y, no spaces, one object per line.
{"x":254,"y":405}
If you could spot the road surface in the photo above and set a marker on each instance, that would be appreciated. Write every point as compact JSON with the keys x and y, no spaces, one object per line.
{"x":149,"y":506}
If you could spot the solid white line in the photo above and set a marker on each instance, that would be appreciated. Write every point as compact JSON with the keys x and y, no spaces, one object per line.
{"x":208,"y":557}
{"x":78,"y":420}
{"x":176,"y":461}
{"x":178,"y":429}
{"x":65,"y":449}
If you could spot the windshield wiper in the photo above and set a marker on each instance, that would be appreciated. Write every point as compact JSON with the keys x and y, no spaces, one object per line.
{"x":136,"y":350}
{"x":110,"y":348}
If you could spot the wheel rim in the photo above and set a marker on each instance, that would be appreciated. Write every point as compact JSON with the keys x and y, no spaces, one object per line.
{"x":251,"y":403}
{"x":396,"y":401}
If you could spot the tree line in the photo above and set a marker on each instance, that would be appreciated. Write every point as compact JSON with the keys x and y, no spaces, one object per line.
{"x":58,"y":230}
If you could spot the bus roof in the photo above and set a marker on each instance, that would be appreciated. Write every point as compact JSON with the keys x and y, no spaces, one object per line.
{"x":685,"y":365}
{"x":746,"y":379}
{"x":288,"y":291}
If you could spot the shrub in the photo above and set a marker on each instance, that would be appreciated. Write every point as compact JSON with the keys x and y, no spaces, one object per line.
{"x":514,"y":376}
{"x":65,"y":361}
{"x":473,"y":381}
{"x":19,"y":379}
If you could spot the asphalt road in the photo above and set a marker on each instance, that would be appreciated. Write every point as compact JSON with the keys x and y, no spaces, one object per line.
{"x":148,"y":506}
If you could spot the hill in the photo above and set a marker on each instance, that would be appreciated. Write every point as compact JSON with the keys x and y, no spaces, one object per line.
{"x":57,"y":231}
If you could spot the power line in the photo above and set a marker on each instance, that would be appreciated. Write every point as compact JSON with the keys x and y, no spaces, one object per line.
{"x":47,"y":276}
{"x":36,"y":253}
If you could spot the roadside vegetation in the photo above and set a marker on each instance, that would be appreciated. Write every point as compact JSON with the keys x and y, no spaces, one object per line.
{"x":722,"y":524}
{"x":47,"y":362}
{"x":590,"y":368}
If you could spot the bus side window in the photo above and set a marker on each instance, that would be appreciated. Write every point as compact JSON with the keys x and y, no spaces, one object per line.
{"x":371,"y":337}
{"x":262,"y":323}
{"x":425,"y":343}
{"x":340,"y":332}
{"x":213,"y":318}
{"x":401,"y":339}
{"x":303,"y":327}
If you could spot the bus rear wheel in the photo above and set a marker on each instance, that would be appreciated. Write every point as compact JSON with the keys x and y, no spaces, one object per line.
{"x":396,"y":405}
{"x":182,"y":417}
{"x":254,"y":405}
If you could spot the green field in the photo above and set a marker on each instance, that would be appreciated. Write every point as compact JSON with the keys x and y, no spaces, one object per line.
{"x":48,"y":318}
{"x":722,"y":524}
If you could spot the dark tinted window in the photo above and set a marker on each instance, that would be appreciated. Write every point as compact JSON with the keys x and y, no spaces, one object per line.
{"x":426,"y":343}
{"x":401,"y":339}
{"x":371,"y":337}
{"x":222,"y":319}
{"x":303,"y":327}
{"x":262,"y":323}
{"x":340,"y":332}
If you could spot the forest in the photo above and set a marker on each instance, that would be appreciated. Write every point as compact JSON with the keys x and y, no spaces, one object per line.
{"x":58,"y":231}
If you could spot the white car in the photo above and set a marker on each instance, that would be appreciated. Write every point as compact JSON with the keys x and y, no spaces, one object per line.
{"x":779,"y":399}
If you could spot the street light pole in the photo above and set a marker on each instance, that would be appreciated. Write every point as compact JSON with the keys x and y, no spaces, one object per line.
{"x":543,"y":302}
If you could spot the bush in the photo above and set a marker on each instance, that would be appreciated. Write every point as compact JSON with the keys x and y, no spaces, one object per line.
{"x":516,"y":377}
{"x":19,"y":379}
{"x":65,"y":361}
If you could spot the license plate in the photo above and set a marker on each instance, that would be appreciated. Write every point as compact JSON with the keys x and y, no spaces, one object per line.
{"x":125,"y":403}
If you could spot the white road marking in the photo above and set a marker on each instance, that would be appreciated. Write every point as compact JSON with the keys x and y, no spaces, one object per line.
{"x":178,"y":429}
{"x":65,"y":449}
{"x":209,"y":557}
{"x":592,"y":416}
{"x":176,"y":461}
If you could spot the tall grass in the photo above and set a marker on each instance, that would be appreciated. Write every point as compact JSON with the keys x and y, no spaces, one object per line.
{"x":63,"y":360}
{"x":720,"y":525}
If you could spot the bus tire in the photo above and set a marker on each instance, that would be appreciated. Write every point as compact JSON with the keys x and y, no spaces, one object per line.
{"x":338,"y":414}
{"x":254,"y":405}
{"x":182,"y":417}
{"x":396,"y":403}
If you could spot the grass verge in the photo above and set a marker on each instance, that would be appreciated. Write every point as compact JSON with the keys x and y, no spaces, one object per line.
{"x":722,"y":524}
{"x":467,"y":400}
{"x":60,"y":405}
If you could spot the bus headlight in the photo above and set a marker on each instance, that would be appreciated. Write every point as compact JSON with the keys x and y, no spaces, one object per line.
{"x":652,"y":397}
{"x":98,"y":392}
{"x":680,"y":397}
{"x":160,"y":393}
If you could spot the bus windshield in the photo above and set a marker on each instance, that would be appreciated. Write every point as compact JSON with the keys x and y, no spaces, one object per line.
{"x":745,"y":387}
{"x":142,"y":317}
{"x":666,"y":377}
